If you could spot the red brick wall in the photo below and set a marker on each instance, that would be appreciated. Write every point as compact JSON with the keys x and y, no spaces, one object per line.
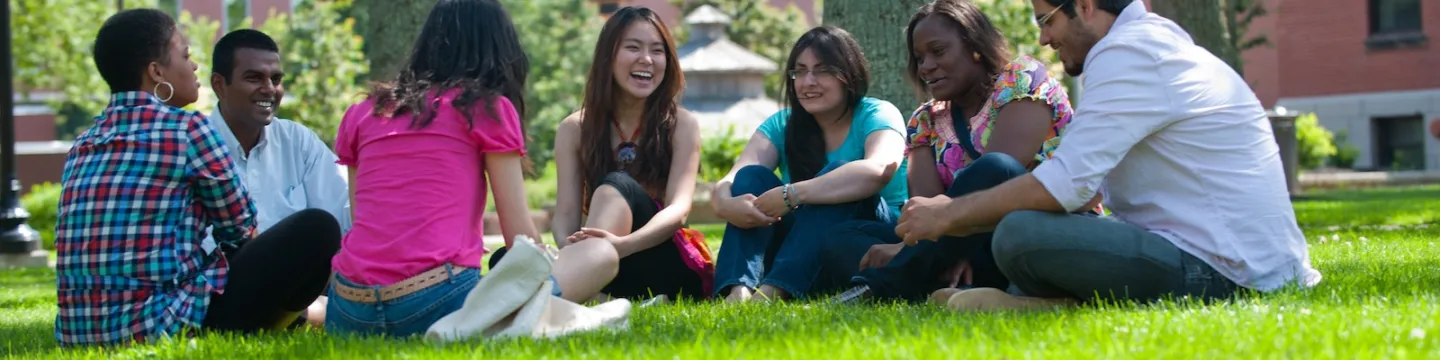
{"x":1327,"y":37}
{"x":260,"y":9}
{"x":215,"y":10}
{"x":209,"y":9}
{"x":35,"y":127}
{"x":36,"y":169}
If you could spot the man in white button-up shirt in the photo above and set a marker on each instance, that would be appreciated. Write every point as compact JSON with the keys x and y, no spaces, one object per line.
{"x":1183,"y":154}
{"x":285,"y":166}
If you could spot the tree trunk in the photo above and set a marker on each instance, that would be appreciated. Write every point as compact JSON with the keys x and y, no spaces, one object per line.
{"x":394,"y":24}
{"x":879,"y":26}
{"x":1234,"y":34}
{"x":1205,"y":21}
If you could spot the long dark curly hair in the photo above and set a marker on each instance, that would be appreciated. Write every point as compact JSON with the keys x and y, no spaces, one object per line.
{"x":597,"y":154}
{"x":470,"y":45}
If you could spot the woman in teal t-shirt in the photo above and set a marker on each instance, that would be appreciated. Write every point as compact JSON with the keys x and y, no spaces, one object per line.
{"x":840,"y":156}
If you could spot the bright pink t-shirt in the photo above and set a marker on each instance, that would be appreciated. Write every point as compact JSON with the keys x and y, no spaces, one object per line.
{"x":419,"y":193}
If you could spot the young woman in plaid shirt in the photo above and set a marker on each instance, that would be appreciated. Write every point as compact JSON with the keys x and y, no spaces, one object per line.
{"x":139,"y":189}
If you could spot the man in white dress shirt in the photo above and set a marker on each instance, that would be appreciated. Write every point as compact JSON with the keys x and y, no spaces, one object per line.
{"x":284,"y":165}
{"x":1183,"y":154}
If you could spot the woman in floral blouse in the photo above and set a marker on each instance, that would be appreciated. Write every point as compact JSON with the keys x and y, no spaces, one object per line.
{"x":993,"y":117}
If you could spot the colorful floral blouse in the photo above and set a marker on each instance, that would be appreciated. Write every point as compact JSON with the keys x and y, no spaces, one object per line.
{"x":1025,"y":78}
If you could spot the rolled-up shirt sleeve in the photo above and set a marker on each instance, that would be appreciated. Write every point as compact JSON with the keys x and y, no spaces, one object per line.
{"x":1126,"y":99}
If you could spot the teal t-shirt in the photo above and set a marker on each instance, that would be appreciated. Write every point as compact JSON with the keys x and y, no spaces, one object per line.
{"x":870,"y":116}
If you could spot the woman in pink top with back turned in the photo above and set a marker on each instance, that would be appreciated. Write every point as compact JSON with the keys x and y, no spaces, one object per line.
{"x":419,"y":151}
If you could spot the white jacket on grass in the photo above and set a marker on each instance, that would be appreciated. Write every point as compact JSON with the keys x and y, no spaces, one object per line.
{"x":514,"y":299}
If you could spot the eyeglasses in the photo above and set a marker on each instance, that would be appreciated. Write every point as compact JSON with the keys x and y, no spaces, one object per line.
{"x":818,"y":72}
{"x":1045,"y":20}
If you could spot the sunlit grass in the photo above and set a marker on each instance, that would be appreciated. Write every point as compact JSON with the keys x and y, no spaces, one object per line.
{"x":1380,"y":299}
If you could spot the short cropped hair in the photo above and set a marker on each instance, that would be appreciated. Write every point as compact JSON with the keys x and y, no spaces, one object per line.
{"x":223,"y":60}
{"x":128,"y":42}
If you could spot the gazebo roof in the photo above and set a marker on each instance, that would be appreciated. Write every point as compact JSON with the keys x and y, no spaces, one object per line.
{"x":709,"y":50}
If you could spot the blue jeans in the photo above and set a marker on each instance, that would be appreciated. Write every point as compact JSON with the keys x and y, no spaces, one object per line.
{"x":407,"y":315}
{"x":916,"y":271}
{"x":789,"y":249}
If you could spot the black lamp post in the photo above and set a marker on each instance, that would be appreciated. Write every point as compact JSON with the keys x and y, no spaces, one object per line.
{"x":15,"y":236}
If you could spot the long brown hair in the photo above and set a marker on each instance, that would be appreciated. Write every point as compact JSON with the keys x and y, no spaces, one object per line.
{"x":973,"y":28}
{"x":470,"y":45}
{"x":596,"y":153}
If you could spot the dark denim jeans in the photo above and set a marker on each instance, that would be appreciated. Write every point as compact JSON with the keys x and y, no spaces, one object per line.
{"x":785,"y":255}
{"x":1088,"y":258}
{"x":917,"y":270}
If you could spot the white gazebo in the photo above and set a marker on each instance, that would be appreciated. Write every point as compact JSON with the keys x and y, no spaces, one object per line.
{"x":725,"y":83}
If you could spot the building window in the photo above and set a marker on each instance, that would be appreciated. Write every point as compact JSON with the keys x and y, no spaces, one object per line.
{"x":171,"y":7}
{"x":1394,"y":24}
{"x":609,"y":7}
{"x":1399,"y":143}
{"x":236,"y":11}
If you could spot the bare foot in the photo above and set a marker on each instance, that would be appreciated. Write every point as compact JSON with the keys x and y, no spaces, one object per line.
{"x":739,"y":294}
{"x":315,"y":314}
{"x":992,"y":299}
{"x":942,"y":297}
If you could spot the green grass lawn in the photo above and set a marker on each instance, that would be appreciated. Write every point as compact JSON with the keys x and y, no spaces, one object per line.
{"x":1380,"y":298}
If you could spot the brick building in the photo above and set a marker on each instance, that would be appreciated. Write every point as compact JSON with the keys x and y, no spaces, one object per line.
{"x":1364,"y":67}
{"x":38,"y":156}
{"x":228,"y":12}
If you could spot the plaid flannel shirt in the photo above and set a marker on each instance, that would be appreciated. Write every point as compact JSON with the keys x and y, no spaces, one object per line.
{"x":138,"y":190}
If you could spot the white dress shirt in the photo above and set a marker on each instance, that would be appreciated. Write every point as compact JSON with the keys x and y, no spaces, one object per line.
{"x":1180,"y":146}
{"x":289,"y":170}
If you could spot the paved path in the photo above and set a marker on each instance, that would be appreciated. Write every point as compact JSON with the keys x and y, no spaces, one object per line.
{"x":1367,"y":178}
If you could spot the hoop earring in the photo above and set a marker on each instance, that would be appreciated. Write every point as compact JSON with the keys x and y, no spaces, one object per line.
{"x":156,"y":90}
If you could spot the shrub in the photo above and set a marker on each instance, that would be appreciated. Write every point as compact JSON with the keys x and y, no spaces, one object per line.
{"x":718,"y":154}
{"x":560,"y":51}
{"x":43,"y":203}
{"x":323,"y":60}
{"x":1345,"y":153}
{"x":1314,"y":141}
